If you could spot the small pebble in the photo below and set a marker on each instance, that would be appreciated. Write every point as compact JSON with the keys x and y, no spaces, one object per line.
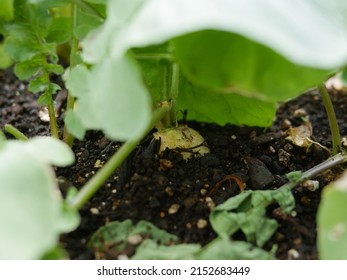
{"x":174,"y":209}
{"x":311,"y":185}
{"x":135,"y":239}
{"x":94,"y":211}
{"x":210,"y":203}
{"x":293,"y":254}
{"x":169,"y":191}
{"x":202,"y":223}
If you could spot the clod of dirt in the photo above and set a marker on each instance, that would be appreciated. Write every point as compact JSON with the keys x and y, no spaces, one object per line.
{"x":182,"y":139}
{"x":260,"y":175}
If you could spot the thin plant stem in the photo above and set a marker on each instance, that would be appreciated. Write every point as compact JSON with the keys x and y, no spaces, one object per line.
{"x":311,"y":173}
{"x":94,"y":184}
{"x":50,"y":107}
{"x":333,"y":161}
{"x":173,"y":93}
{"x":52,"y":118}
{"x":68,"y":138}
{"x":15,"y":132}
{"x":334,"y":128}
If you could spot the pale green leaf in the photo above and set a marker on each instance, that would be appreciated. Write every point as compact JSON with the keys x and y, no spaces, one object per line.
{"x":117,"y":87}
{"x":332,"y":221}
{"x":247,"y":212}
{"x":225,"y":249}
{"x":115,"y":236}
{"x":74,"y":125}
{"x":150,"y":250}
{"x":30,"y":200}
{"x":51,"y":151}
{"x":298,"y":38}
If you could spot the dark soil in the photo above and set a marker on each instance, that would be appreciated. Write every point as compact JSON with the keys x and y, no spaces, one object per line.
{"x":148,"y":188}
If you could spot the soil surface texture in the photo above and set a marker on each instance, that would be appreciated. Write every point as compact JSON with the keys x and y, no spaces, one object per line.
{"x":176,"y":195}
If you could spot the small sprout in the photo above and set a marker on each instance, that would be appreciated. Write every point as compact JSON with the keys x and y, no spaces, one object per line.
{"x":182,"y":139}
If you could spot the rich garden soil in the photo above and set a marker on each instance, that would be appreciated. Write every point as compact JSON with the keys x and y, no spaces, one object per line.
{"x":178,"y":196}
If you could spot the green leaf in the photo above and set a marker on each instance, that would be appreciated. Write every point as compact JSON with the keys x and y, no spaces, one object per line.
{"x":247,"y":212}
{"x":29,"y":196}
{"x":51,"y":151}
{"x":5,"y":60}
{"x":208,"y":106}
{"x":21,"y":49}
{"x":230,"y":63}
{"x":117,"y":87}
{"x":298,"y":38}
{"x":225,"y":249}
{"x":74,"y":125}
{"x":39,"y":84}
{"x":26,"y":69}
{"x":86,"y":23}
{"x":116,"y":236}
{"x":150,"y":250}
{"x":6,"y":10}
{"x":57,"y":253}
{"x":59,"y":31}
{"x":55,"y":68}
{"x":332,"y":221}
{"x":44,"y":99}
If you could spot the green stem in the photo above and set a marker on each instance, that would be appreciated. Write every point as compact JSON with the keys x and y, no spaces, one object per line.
{"x":318,"y":169}
{"x":93,"y":185}
{"x":15,"y":132}
{"x":334,"y":128}
{"x":53,"y":119}
{"x":68,"y":138}
{"x":173,"y":94}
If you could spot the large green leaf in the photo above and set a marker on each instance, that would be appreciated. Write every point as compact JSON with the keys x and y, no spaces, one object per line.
{"x":112,"y":97}
{"x":253,"y":48}
{"x":208,"y":106}
{"x":33,"y":214}
{"x":332,"y":221}
{"x":269,"y":22}
{"x":230,"y":63}
{"x":6,"y":9}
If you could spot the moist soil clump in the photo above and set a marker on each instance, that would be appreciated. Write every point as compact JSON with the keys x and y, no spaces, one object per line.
{"x":178,"y":195}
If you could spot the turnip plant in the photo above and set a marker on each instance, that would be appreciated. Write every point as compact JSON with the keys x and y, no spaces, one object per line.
{"x":131,"y":66}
